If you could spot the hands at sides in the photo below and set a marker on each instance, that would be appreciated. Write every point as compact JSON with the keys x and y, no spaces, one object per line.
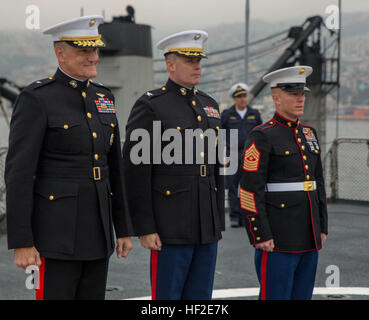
{"x":124,"y":246}
{"x":267,"y":246}
{"x":24,"y":257}
{"x":151,"y":241}
{"x":323,"y":236}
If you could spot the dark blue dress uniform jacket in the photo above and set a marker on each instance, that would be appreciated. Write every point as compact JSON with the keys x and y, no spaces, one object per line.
{"x":64,"y":176}
{"x":183,"y":203}
{"x":281,"y":151}
{"x":232,"y":120}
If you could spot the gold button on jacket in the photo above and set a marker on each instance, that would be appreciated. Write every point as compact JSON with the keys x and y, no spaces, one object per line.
{"x":291,"y":214}
{"x":69,"y":174}
{"x":176,"y":199}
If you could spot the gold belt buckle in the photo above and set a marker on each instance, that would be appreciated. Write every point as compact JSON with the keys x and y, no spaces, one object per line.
{"x":203,"y":170}
{"x":308,"y":185}
{"x":97,"y":173}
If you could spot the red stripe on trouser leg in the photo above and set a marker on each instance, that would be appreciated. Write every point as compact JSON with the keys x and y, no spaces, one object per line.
{"x":263,"y":274}
{"x":154,"y":271}
{"x":40,"y":284}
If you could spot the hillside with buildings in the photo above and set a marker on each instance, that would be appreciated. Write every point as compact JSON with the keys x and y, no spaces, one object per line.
{"x":26,"y":56}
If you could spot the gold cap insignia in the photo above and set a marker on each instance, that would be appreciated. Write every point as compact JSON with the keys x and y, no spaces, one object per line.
{"x":197,"y":36}
{"x":92,"y":22}
{"x":302,"y":70}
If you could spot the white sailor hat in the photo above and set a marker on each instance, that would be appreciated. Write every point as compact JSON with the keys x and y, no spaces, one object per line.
{"x":186,"y":43}
{"x":237,"y":89}
{"x":81,"y":32}
{"x":289,"y":79}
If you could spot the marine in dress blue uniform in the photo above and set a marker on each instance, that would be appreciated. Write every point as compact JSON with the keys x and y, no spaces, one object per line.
{"x":242,"y":118}
{"x":282,"y":192}
{"x":178,"y":209}
{"x":64,"y":174}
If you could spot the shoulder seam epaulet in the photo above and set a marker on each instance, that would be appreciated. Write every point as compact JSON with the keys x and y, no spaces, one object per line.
{"x":208,"y":96}
{"x":266,"y":125}
{"x":304,"y":125}
{"x":98,"y":84}
{"x":255,"y":110}
{"x":154,"y":93}
{"x":40,"y":83}
{"x":204,"y":94}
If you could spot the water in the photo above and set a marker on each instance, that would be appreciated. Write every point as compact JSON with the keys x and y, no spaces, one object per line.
{"x":347,"y":129}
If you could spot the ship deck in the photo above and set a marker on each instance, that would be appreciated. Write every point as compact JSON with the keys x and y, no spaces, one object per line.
{"x":346,"y":250}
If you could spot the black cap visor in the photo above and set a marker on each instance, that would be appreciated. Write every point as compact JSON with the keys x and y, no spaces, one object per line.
{"x":292,"y":87}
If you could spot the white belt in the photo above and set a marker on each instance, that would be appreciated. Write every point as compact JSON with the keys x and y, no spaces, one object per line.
{"x":291,"y":186}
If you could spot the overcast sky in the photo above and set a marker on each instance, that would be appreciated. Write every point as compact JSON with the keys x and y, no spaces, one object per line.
{"x":171,"y":15}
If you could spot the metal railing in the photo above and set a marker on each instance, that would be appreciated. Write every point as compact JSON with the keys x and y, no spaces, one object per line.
{"x":346,"y":173}
{"x":346,"y":170}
